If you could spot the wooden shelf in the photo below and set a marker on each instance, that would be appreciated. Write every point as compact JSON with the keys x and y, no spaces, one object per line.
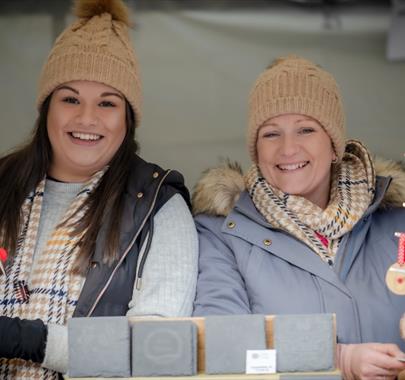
{"x":277,"y":376}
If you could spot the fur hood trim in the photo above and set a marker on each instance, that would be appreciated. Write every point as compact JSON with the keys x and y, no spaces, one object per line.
{"x":219,"y":188}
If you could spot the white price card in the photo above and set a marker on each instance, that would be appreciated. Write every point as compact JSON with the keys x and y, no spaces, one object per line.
{"x":260,"y":361}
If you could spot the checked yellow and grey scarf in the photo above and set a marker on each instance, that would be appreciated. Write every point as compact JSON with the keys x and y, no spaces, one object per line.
{"x":352,"y":191}
{"x":51,"y":291}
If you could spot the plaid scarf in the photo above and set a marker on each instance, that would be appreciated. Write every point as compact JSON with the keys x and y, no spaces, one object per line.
{"x":352,"y":191}
{"x":54,"y":290}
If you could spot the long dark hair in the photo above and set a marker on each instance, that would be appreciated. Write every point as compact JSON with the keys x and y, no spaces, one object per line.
{"x":23,"y":169}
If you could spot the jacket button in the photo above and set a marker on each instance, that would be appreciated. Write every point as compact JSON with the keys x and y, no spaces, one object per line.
{"x":231,"y":224}
{"x":93,"y":265}
{"x":139,"y":195}
{"x":267,"y":242}
{"x":155,"y":175}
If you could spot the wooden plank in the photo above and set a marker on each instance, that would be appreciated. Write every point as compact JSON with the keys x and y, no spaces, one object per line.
{"x":202,"y":376}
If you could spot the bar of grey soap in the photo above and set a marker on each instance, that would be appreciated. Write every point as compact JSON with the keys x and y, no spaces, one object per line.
{"x":228,"y":337}
{"x":164,"y":348}
{"x":99,"y":346}
{"x":304,"y":342}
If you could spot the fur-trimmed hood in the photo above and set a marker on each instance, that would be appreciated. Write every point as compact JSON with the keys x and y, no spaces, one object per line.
{"x":219,"y":188}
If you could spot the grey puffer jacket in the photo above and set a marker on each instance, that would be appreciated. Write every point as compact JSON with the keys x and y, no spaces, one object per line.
{"x":247,"y":266}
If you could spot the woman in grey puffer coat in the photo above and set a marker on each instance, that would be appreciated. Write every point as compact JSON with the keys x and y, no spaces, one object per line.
{"x":310,"y":227}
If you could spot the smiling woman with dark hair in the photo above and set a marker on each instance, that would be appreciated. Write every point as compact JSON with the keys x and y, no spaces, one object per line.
{"x":310,"y":227}
{"x":88,"y":225}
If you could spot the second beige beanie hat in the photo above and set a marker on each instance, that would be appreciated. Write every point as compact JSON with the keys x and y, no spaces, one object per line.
{"x":295,"y":85}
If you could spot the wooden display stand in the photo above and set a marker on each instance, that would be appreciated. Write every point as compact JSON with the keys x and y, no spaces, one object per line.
{"x":277,"y":376}
{"x":200,"y":323}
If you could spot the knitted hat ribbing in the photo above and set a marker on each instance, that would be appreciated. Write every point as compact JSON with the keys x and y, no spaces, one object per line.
{"x":295,"y":85}
{"x":96,"y":48}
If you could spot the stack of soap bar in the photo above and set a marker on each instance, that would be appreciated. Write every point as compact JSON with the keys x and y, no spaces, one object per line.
{"x":99,"y":347}
{"x":304,"y":342}
{"x":164,"y":348}
{"x":227,"y":338}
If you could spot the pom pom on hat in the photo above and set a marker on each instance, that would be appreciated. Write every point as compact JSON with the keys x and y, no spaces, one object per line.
{"x":90,"y":8}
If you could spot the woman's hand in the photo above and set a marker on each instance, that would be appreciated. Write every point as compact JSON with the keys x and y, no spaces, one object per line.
{"x":369,"y":361}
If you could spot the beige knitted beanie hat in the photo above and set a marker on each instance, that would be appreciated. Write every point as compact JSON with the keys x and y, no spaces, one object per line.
{"x":295,"y":85}
{"x":96,"y":48}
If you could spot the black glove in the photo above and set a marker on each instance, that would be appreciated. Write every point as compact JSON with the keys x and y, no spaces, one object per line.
{"x":22,"y":339}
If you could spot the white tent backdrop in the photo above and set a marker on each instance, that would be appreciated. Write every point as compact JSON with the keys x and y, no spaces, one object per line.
{"x":198,"y":67}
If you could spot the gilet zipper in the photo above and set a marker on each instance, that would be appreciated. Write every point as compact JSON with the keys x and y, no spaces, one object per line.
{"x":132,"y":242}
